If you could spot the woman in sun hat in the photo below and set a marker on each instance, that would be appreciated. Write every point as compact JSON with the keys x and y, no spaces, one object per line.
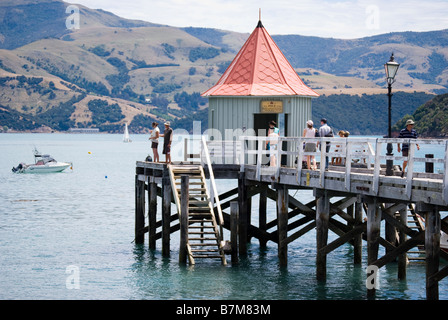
{"x":310,"y":132}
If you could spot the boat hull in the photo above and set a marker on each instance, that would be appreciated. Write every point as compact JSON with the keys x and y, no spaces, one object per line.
{"x":58,"y":167}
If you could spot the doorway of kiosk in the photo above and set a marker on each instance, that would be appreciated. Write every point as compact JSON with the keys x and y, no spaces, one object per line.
{"x":261,"y":126}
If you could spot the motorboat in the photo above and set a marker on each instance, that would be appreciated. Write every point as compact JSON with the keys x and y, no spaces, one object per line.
{"x":43,"y":163}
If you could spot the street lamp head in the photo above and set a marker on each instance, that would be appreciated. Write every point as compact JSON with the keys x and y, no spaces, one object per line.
{"x":391,"y":69}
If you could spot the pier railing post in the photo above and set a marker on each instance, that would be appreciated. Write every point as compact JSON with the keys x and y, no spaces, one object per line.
{"x":348,"y":163}
{"x":377,"y":168}
{"x":184,"y":199}
{"x":322,"y":219}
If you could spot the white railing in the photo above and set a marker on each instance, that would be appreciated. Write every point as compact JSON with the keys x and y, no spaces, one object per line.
{"x":412,"y":160}
{"x":225,"y":152}
{"x":291,"y":151}
{"x":219,"y":151}
{"x":367,"y":153}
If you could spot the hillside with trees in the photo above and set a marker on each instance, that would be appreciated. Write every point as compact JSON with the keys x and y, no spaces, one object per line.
{"x":143,"y":72}
{"x":431,"y":118}
{"x":365,"y":114}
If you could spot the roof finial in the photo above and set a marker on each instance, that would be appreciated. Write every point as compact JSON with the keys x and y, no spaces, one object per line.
{"x":259,"y":25}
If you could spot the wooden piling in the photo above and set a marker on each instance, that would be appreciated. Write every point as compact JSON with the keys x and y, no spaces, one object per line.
{"x":262,"y":213}
{"x":282,"y":223}
{"x":166,"y":213}
{"x":234,"y":231}
{"x":152,"y":214}
{"x":402,"y":258}
{"x":357,"y":239}
{"x":139,"y":210}
{"x":248,"y":216}
{"x":322,"y":219}
{"x":184,"y":200}
{"x":390,"y":230}
{"x":432,"y":248}
{"x":242,"y":213}
{"x":373,"y":235}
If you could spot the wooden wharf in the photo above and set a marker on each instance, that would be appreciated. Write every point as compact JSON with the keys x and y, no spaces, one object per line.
{"x":410,"y":207}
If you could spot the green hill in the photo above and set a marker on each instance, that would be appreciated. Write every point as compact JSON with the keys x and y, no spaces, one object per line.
{"x":431,"y":118}
{"x":365,"y":114}
{"x":49,"y":74}
{"x":423,"y":57}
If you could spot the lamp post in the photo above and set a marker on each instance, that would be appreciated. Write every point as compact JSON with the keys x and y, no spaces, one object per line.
{"x":391,"y":70}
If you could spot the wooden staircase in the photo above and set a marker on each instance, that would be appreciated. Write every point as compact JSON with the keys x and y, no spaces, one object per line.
{"x":416,"y":222}
{"x":204,"y":236}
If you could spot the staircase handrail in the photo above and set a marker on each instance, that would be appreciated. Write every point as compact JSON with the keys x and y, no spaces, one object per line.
{"x":212,"y":180}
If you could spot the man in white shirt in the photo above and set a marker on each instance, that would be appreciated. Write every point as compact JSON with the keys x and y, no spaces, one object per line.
{"x":155,"y":133}
{"x":325,"y":131}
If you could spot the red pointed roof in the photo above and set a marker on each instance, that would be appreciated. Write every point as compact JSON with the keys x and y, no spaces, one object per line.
{"x":260,"y":69}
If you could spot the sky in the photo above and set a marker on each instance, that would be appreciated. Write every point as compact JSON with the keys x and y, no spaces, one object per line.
{"x":342,"y":19}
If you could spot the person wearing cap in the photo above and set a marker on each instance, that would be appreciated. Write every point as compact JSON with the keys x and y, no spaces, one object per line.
{"x":310,"y":132}
{"x":407,"y":133}
{"x":167,"y":139}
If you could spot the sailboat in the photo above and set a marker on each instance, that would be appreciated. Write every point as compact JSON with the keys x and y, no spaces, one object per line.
{"x":126,"y":134}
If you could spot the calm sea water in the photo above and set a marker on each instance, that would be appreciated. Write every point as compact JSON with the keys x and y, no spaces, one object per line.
{"x":79,"y":224}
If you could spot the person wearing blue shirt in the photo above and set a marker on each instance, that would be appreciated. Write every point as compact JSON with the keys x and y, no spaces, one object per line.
{"x":407,"y":133}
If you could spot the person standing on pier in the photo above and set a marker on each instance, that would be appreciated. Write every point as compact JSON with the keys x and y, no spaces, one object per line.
{"x":271,"y":143}
{"x":155,"y":133}
{"x":407,"y":133}
{"x":338,"y":160}
{"x":325,"y":131}
{"x":310,"y":132}
{"x":167,"y":139}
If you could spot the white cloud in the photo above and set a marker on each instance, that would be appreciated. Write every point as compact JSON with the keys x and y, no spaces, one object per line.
{"x":323,"y":18}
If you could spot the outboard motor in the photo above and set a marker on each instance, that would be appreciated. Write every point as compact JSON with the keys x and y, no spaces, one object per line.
{"x":18,"y":168}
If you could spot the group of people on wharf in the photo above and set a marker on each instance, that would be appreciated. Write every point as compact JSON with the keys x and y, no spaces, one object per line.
{"x":326,"y":131}
{"x":272,"y":143}
{"x":168,"y":138}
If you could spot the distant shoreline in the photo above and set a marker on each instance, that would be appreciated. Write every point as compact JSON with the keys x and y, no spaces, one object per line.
{"x":394,"y":135}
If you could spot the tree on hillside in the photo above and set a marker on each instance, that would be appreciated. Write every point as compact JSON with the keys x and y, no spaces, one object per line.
{"x":431,"y":118}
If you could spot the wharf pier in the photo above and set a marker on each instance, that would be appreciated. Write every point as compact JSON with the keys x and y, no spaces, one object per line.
{"x":351,"y":200}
